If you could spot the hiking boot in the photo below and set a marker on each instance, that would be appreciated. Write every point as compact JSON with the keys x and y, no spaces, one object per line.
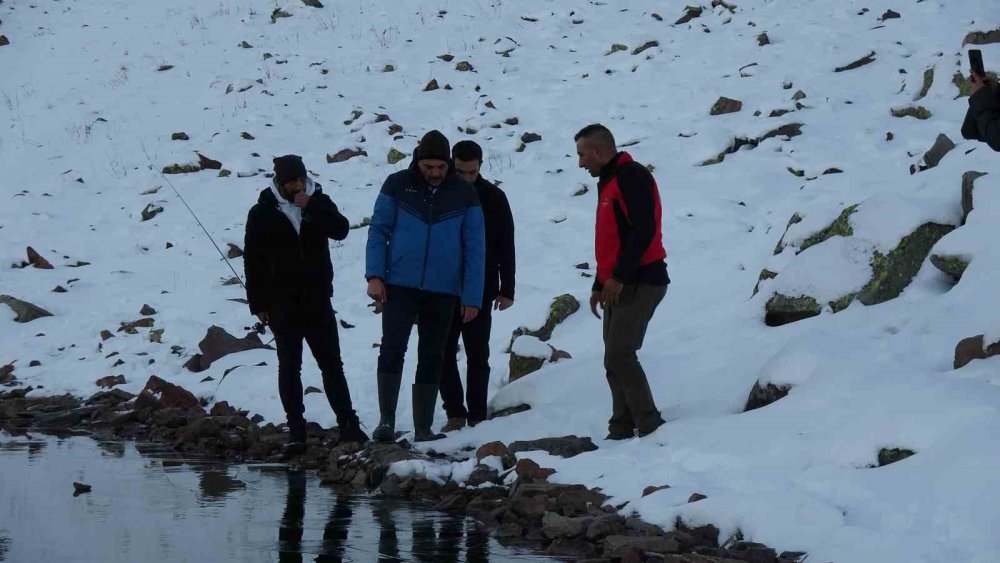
{"x":388,"y":395}
{"x":656,"y":426}
{"x":424,"y":400}
{"x":352,"y":432}
{"x":454,"y":424}
{"x":620,"y":435}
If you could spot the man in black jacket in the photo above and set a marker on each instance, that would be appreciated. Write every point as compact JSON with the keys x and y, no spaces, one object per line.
{"x":498,"y":293}
{"x":289,"y":286}
{"x":982,"y":121}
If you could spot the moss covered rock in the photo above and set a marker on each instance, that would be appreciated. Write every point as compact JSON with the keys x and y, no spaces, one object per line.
{"x":783,"y":309}
{"x":954,"y":266}
{"x":968,"y":186}
{"x":892,"y":272}
{"x":841,"y":227}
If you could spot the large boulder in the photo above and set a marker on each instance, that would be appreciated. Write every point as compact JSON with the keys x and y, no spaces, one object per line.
{"x":565,"y":446}
{"x":217,"y":344}
{"x":26,"y":312}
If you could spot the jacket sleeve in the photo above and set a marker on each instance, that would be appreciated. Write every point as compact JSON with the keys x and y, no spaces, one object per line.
{"x":258,"y":276}
{"x":636,"y":185}
{"x":505,"y":244}
{"x":380,"y":232}
{"x":322,"y":211}
{"x":984,"y":111}
{"x":473,"y":256}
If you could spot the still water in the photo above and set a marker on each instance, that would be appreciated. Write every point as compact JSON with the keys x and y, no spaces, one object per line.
{"x":148,"y":505}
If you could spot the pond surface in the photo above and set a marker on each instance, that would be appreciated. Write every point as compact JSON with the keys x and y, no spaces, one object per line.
{"x":149,"y":505}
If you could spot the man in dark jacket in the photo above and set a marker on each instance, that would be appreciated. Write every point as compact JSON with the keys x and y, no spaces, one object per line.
{"x":498,"y":294}
{"x":425,"y":253}
{"x":982,"y":121}
{"x":289,"y":286}
{"x":631,"y":274}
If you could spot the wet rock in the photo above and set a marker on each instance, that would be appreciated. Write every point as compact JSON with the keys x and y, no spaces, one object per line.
{"x":968,"y":187}
{"x":170,"y":417}
{"x":565,"y":446}
{"x":26,"y":312}
{"x":617,"y":545}
{"x":110,"y":381}
{"x":110,"y":398}
{"x":483,"y":474}
{"x":603,"y":526}
{"x":151,"y":210}
{"x":344,"y":155}
{"x":167,"y":395}
{"x":81,"y":488}
{"x":725,"y":105}
{"x":865,"y":60}
{"x":36,"y":260}
{"x":64,"y":418}
{"x":218,"y":343}
{"x":577,"y":548}
{"x":763,"y":395}
{"x":974,"y":348}
{"x":557,"y":526}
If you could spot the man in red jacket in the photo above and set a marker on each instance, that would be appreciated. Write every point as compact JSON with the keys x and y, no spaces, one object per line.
{"x":631,"y":274}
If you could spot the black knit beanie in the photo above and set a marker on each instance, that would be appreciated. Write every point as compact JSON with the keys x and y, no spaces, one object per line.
{"x":434,"y":146}
{"x":288,"y":168}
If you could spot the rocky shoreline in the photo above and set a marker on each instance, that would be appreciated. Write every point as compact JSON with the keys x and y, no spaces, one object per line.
{"x":511,"y":498}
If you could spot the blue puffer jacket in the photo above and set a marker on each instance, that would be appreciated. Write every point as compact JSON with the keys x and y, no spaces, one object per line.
{"x":426,"y":239}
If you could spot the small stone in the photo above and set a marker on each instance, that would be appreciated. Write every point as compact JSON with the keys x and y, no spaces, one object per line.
{"x":277,"y":14}
{"x":106,"y":334}
{"x":395,"y":156}
{"x":726,"y":105}
{"x":696,"y":497}
{"x":147,"y":311}
{"x":464,"y":66}
{"x":446,"y":58}
{"x":180,"y":137}
{"x":36,"y":260}
{"x":345,"y":155}
{"x":388,"y":68}
{"x":110,"y":381}
{"x":247,"y":136}
{"x":497,"y":449}
{"x":919,"y":112}
{"x":432,"y":85}
{"x":26,"y":312}
{"x":865,"y":60}
{"x":313,"y":3}
{"x":653,"y":488}
{"x":234,"y":251}
{"x":156,"y":335}
{"x":4,"y":41}
{"x":530,"y":138}
{"x":243,"y":45}
{"x":799,"y":95}
{"x":890,"y":15}
{"x":763,"y":39}
{"x":150,"y":211}
{"x":690,"y":13}
{"x":34,"y":364}
{"x":645,"y":46}
{"x":81,"y":488}
{"x":164,"y":68}
{"x":530,"y":471}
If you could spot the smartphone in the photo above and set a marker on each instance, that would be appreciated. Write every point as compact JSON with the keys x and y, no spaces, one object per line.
{"x":976,"y":62}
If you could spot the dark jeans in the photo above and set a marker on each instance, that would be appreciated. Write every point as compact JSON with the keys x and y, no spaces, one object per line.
{"x":624,"y":330}
{"x":432,"y":313}
{"x":476,"y":338}
{"x":317,"y":325}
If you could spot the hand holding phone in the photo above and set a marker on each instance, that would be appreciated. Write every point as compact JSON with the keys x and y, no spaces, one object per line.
{"x":976,"y":63}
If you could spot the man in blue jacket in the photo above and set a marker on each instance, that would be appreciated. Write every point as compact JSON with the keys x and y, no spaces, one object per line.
{"x":425,"y":255}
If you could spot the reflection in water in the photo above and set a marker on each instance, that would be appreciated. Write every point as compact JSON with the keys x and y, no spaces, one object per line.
{"x":196,"y":509}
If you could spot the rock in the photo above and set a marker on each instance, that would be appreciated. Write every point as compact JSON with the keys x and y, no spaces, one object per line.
{"x":509,"y":411}
{"x":345,"y":155}
{"x":604,"y":526}
{"x":313,"y":3}
{"x":530,"y":138}
{"x":147,"y":311}
{"x":207,"y":163}
{"x":395,"y":129}
{"x":36,"y":260}
{"x":181,"y":136}
{"x":865,"y":60}
{"x":395,"y":156}
{"x":497,"y":449}
{"x":156,"y":335}
{"x":690,"y":13}
{"x":926,"y":87}
{"x":167,"y":395}
{"x":520,"y":366}
{"x":559,"y":310}
{"x":974,"y":348}
{"x":34,"y":363}
{"x":942,"y":146}
{"x":763,"y":39}
{"x":841,"y":226}
{"x":783,"y":309}
{"x":556,"y":526}
{"x":968,"y":186}
{"x":234,"y":251}
{"x":954,"y":266}
{"x":81,"y":488}
{"x":389,"y":68}
{"x":59,"y":289}
{"x":110,"y":381}
{"x":893,"y":272}
{"x":763,"y":395}
{"x":919,"y":112}
{"x":130,"y":327}
{"x":218,"y":343}
{"x":887,"y":456}
{"x":798,"y":95}
{"x":4,"y":41}
{"x":616,"y":545}
{"x":482,"y":474}
{"x":696,"y":497}
{"x":151,"y":210}
{"x":310,"y":390}
{"x":565,"y":446}
{"x":889,"y":15}
{"x":653,"y":488}
{"x":726,"y":105}
{"x":765,"y":274}
{"x":277,"y":14}
{"x":181,"y":169}
{"x":26,"y":312}
{"x":575,"y":548}
{"x":247,"y":136}
{"x":530,"y":471}
{"x":645,"y":46}
{"x":432,"y":85}
{"x":106,"y":334}
{"x":616,"y":47}
{"x":7,"y":374}
{"x":510,"y":530}
{"x":982,"y":37}
{"x":446,"y":58}
{"x":464,"y":66}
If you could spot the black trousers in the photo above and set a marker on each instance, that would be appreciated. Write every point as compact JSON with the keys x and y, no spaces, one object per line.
{"x":432,"y":313}
{"x":475,"y":336}
{"x":317,"y":325}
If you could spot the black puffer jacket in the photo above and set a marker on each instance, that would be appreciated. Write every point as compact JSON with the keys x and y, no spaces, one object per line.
{"x":284,"y":268}
{"x":982,"y":121}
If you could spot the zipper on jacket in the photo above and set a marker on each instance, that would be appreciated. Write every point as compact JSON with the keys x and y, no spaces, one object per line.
{"x":427,"y":240}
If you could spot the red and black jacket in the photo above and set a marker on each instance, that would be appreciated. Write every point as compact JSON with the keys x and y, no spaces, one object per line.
{"x":629,"y":240}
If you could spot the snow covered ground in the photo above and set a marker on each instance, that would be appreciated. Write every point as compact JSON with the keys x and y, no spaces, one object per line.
{"x":87,"y":117}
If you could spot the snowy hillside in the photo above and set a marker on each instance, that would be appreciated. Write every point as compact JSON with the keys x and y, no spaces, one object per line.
{"x":93,"y":91}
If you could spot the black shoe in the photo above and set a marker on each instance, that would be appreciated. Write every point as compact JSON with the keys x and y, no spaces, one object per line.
{"x":620,"y":435}
{"x":424,"y":400}
{"x":352,"y":432}
{"x":656,"y":426}
{"x":388,"y":395}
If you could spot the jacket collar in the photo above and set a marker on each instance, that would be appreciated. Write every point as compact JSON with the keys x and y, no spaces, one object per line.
{"x":611,"y":168}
